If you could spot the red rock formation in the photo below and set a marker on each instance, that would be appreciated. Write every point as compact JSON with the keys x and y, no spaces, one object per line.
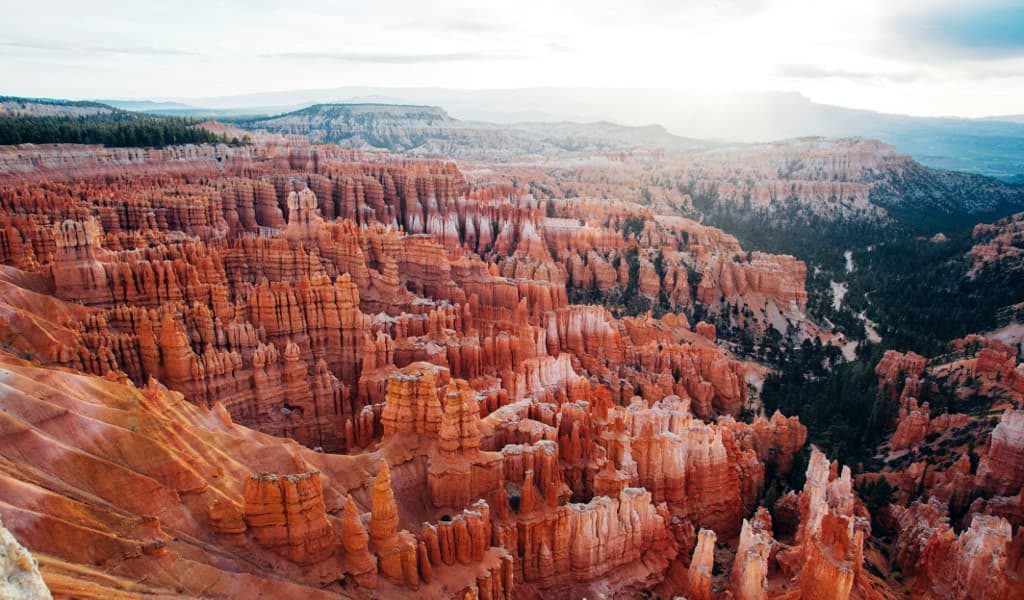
{"x":919,"y":524}
{"x":303,"y":220}
{"x":997,"y":242}
{"x":983,"y":562}
{"x":460,"y":424}
{"x":396,"y":550}
{"x":707,"y":330}
{"x":1001,"y":469}
{"x":381,"y":307}
{"x":465,"y":540}
{"x":828,"y":554}
{"x":698,"y":576}
{"x":412,"y":404}
{"x":829,"y":181}
{"x":77,"y":272}
{"x":779,"y":278}
{"x":116,"y":456}
{"x":750,"y":569}
{"x":776,"y":440}
{"x":624,"y":541}
{"x":286,"y":515}
{"x":931,"y":458}
{"x":355,"y":542}
{"x":714,"y":496}
{"x":833,"y":559}
{"x":913,"y":425}
{"x":895,"y":368}
{"x":384,"y":519}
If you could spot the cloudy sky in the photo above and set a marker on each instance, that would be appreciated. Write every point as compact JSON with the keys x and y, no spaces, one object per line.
{"x":925,"y":57}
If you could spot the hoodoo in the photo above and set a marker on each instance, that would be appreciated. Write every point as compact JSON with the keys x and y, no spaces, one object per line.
{"x":311,"y":356}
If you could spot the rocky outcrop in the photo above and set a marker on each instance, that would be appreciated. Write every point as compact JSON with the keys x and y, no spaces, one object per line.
{"x":826,"y":178}
{"x":895,"y":369}
{"x":914,"y":422}
{"x":982,"y":565}
{"x":997,"y":242}
{"x":412,"y":404}
{"x":286,"y":514}
{"x":750,"y":569}
{"x":384,"y":517}
{"x":397,"y":558}
{"x":833,"y":559}
{"x":1001,"y":469}
{"x":775,"y":441}
{"x":714,"y":479}
{"x":144,"y":474}
{"x":355,"y":542}
{"x":698,"y":576}
{"x":828,"y":552}
{"x":459,"y":471}
{"x":624,"y":541}
{"x":77,"y":272}
{"x":779,"y":278}
{"x":707,"y":330}
{"x":978,"y":564}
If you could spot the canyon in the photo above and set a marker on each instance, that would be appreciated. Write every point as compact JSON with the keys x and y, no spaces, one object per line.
{"x":284,"y":369}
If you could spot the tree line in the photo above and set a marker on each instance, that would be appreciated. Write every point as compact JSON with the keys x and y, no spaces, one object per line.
{"x":112,"y":129}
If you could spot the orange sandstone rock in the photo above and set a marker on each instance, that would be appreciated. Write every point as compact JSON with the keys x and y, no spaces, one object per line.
{"x":698,"y":576}
{"x":750,"y":569}
{"x":1001,"y":469}
{"x":355,"y":541}
{"x":286,"y":514}
{"x":384,"y":517}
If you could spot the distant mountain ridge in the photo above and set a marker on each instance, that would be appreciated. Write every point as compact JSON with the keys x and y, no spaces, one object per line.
{"x":990,"y":146}
{"x":51,"y":107}
{"x":940,"y":199}
{"x":146,"y":105}
{"x":815,"y":180}
{"x":430,"y":130}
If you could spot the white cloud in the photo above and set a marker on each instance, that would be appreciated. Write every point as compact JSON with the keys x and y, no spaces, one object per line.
{"x":851,"y":53}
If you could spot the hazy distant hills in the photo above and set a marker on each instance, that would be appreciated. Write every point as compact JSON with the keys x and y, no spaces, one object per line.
{"x":45,"y":107}
{"x":430,"y":130}
{"x":577,"y":136}
{"x":935,"y":199}
{"x":991,"y":146}
{"x":146,"y":105}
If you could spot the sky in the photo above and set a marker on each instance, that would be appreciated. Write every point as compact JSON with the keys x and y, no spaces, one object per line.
{"x":920,"y":57}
